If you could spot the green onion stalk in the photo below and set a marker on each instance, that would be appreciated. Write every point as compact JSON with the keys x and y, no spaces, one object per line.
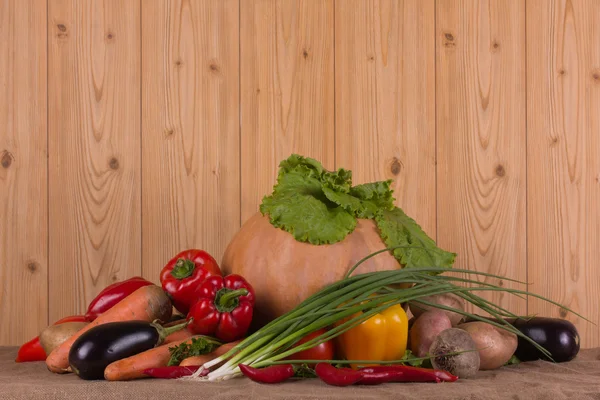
{"x":349,"y":302}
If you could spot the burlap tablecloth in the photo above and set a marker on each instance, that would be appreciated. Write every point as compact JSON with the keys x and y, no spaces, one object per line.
{"x":576,"y":380}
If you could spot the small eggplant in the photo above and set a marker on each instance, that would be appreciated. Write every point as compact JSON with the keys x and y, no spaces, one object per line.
{"x":104,"y":344}
{"x":558,"y":336}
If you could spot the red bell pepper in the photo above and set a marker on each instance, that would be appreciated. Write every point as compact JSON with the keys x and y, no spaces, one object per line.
{"x":224,"y":308}
{"x":113,"y":294}
{"x":33,"y":350}
{"x":184,"y":273}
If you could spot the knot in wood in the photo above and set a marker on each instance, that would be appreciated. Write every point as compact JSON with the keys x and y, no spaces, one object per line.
{"x":449,"y":40}
{"x":32,"y":266}
{"x":113,"y":163}
{"x":562,"y":312}
{"x":500,"y":171}
{"x":396,"y":166}
{"x":6,"y":159}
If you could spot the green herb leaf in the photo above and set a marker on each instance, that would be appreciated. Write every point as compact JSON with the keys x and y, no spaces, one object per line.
{"x":408,"y":357}
{"x":513,"y":360}
{"x":304,"y":371}
{"x":398,"y":229}
{"x":200,"y":345}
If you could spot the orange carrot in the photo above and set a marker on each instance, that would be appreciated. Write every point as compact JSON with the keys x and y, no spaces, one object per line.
{"x":145,"y":304}
{"x":133,"y":367}
{"x":199,"y":360}
{"x":179,"y":335}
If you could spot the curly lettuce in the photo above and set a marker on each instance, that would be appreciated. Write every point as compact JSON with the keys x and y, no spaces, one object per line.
{"x":318,"y":206}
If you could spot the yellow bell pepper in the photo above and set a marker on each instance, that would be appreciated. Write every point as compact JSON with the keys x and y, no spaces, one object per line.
{"x":381,"y":337}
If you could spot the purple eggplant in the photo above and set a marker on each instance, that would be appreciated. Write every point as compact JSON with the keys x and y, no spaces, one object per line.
{"x":558,"y":336}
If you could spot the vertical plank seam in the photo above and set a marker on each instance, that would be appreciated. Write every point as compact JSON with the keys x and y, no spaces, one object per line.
{"x":141,"y":143}
{"x":526,"y":171}
{"x":47,"y":168}
{"x":435,"y":6}
{"x":240,"y":108}
{"x":335,"y":166}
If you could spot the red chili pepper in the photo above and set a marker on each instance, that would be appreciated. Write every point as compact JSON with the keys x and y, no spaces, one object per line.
{"x":184,"y":273}
{"x":404,"y":373}
{"x":33,"y":350}
{"x":337,"y":376}
{"x":173,"y":372}
{"x":271,"y":374}
{"x":224,"y":308}
{"x":113,"y":294}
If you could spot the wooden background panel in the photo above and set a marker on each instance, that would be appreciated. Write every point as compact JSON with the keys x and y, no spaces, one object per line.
{"x":190,"y":125}
{"x":23,"y":171}
{"x":286,"y":90}
{"x":94,"y":148}
{"x":481,"y":138}
{"x":563,"y":92}
{"x":385,"y":99}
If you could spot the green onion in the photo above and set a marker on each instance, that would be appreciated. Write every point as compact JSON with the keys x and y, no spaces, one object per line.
{"x":353,"y":300}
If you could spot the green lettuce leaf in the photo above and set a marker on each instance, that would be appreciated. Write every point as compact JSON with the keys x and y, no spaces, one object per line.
{"x":299,"y":206}
{"x":321,"y":207}
{"x":308,"y":219}
{"x":398,"y":229}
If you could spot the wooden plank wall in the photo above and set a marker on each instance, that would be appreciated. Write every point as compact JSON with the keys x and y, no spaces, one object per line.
{"x":131,"y":130}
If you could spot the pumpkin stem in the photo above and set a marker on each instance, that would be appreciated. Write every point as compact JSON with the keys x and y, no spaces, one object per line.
{"x":226,"y":300}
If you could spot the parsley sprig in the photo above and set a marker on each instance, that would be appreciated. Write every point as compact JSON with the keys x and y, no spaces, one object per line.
{"x":200,"y":345}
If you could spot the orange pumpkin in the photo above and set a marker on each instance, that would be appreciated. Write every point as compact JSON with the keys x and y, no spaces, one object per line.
{"x":284,"y":271}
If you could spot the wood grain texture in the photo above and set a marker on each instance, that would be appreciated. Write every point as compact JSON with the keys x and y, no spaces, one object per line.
{"x":563,"y":107}
{"x":94,"y":146}
{"x":385,"y":99}
{"x":190,"y":119}
{"x":23,"y":171}
{"x":481,"y":138}
{"x":286,"y":90}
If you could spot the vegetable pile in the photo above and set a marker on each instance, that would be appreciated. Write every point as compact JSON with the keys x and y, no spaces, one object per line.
{"x":315,"y":226}
{"x":307,"y":272}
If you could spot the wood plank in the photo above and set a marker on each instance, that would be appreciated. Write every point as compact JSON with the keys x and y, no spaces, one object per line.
{"x":23,"y":170}
{"x":563,"y":108}
{"x":94,"y":147}
{"x":287,"y":103}
{"x":190,"y":120}
{"x":481,"y":138}
{"x":385,"y":99}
